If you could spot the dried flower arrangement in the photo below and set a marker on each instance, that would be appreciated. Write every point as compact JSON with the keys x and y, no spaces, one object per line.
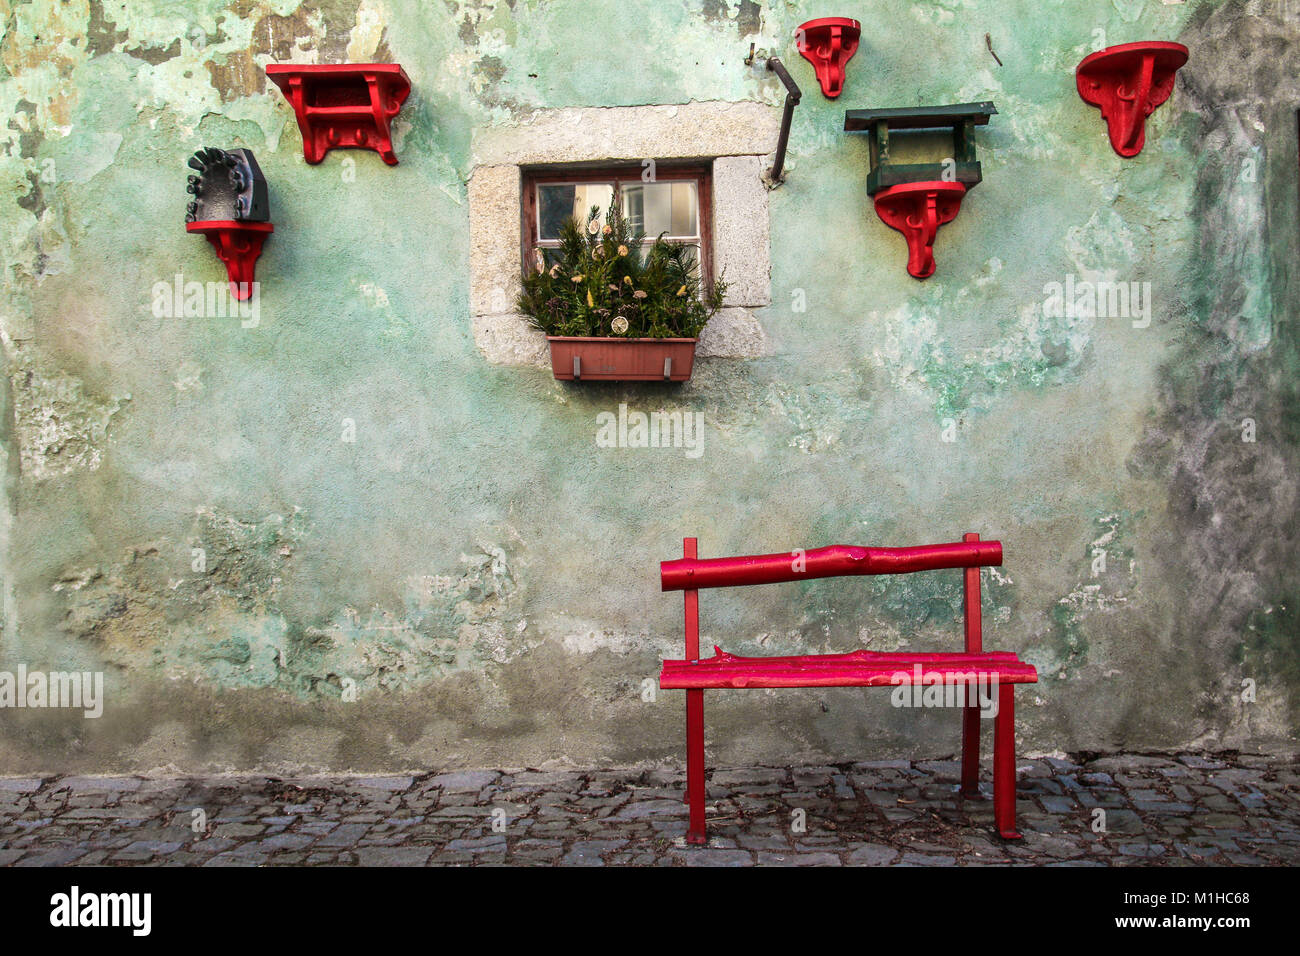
{"x":602,"y":285}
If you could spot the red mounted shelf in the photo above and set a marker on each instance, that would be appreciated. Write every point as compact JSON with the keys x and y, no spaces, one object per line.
{"x":343,"y":105}
{"x":917,"y":210}
{"x":828,"y":44}
{"x":918,"y":198}
{"x":1127,"y":82}
{"x":238,"y":245}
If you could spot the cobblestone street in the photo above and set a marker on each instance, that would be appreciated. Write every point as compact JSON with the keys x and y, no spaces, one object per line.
{"x":1184,"y":810}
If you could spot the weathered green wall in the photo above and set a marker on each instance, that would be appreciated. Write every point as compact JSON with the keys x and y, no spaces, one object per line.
{"x":473,"y":561}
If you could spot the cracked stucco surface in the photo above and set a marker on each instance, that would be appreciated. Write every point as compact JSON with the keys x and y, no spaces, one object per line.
{"x":242,"y":527}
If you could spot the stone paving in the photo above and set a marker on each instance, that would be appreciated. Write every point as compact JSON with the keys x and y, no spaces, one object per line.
{"x":1158,"y":810}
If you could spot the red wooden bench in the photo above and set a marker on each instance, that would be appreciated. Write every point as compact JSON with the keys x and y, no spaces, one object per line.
{"x":857,"y":669}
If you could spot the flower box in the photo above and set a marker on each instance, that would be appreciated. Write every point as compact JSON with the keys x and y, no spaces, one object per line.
{"x":616,"y":307}
{"x":590,"y":358}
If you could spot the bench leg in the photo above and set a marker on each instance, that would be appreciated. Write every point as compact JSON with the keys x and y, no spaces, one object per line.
{"x":696,"y":788}
{"x":970,"y":751}
{"x":1004,"y":763}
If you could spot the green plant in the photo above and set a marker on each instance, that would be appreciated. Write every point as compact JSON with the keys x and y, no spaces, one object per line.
{"x":600,"y":285}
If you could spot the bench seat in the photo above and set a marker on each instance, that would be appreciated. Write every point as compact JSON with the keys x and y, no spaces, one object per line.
{"x":861,"y":668}
{"x":855,"y":669}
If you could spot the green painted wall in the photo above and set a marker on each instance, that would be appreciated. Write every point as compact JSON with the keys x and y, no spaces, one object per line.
{"x":479,"y":569}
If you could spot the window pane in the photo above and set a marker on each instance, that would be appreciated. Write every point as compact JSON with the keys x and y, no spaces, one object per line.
{"x":669,"y":207}
{"x":560,"y":202}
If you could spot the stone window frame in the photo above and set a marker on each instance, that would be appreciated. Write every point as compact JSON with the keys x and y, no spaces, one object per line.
{"x":736,"y":138}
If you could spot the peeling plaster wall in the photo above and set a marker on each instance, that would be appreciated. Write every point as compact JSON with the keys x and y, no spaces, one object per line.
{"x":183,"y":511}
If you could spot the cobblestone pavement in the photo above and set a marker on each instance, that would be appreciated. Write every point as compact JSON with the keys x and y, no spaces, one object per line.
{"x":1183,"y":810}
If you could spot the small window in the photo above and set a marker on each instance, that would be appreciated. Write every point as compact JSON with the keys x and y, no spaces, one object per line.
{"x":675,"y":204}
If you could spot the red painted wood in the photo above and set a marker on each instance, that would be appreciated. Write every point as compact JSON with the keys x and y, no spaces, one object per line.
{"x":343,"y":104}
{"x":854,"y":669}
{"x":696,"y":788}
{"x":917,"y":210}
{"x":1127,"y":82}
{"x":692,"y":596}
{"x":832,"y":561}
{"x":1004,"y":764}
{"x":864,"y":669}
{"x":970,"y":719}
{"x":828,"y":43}
{"x":903,"y":657}
{"x":238,"y":245}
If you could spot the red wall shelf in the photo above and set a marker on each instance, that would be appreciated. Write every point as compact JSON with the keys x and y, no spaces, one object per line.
{"x":343,"y":105}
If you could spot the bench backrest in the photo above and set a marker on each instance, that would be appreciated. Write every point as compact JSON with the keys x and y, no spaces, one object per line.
{"x":689,"y":573}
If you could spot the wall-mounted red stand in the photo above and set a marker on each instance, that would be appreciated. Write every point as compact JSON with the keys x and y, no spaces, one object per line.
{"x":917,"y":210}
{"x":828,"y":44}
{"x":348,"y":105}
{"x":238,"y":245}
{"x":1127,"y":82}
{"x":918,"y":198}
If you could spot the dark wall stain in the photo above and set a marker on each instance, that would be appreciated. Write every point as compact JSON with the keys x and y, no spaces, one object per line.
{"x":34,"y":201}
{"x":156,"y":54}
{"x":280,"y":36}
{"x":238,"y":74}
{"x":714,"y":9}
{"x":283,"y":37}
{"x":492,"y":68}
{"x":101,"y":37}
{"x":29,"y":140}
{"x":235,"y":77}
{"x":1235,"y":540}
{"x":466,"y":32}
{"x":749,"y":18}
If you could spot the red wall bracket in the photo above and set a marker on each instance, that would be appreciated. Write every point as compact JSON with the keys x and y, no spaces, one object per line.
{"x":828,"y":44}
{"x":1128,"y":82}
{"x":917,"y":210}
{"x":343,"y":104}
{"x":231,"y":206}
{"x":238,"y":245}
{"x":918,"y":198}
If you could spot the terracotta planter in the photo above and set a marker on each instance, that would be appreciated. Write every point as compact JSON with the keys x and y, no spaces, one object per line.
{"x":621,"y":360}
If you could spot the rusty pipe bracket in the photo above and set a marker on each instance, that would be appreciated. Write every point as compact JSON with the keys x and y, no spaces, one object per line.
{"x":792,"y":95}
